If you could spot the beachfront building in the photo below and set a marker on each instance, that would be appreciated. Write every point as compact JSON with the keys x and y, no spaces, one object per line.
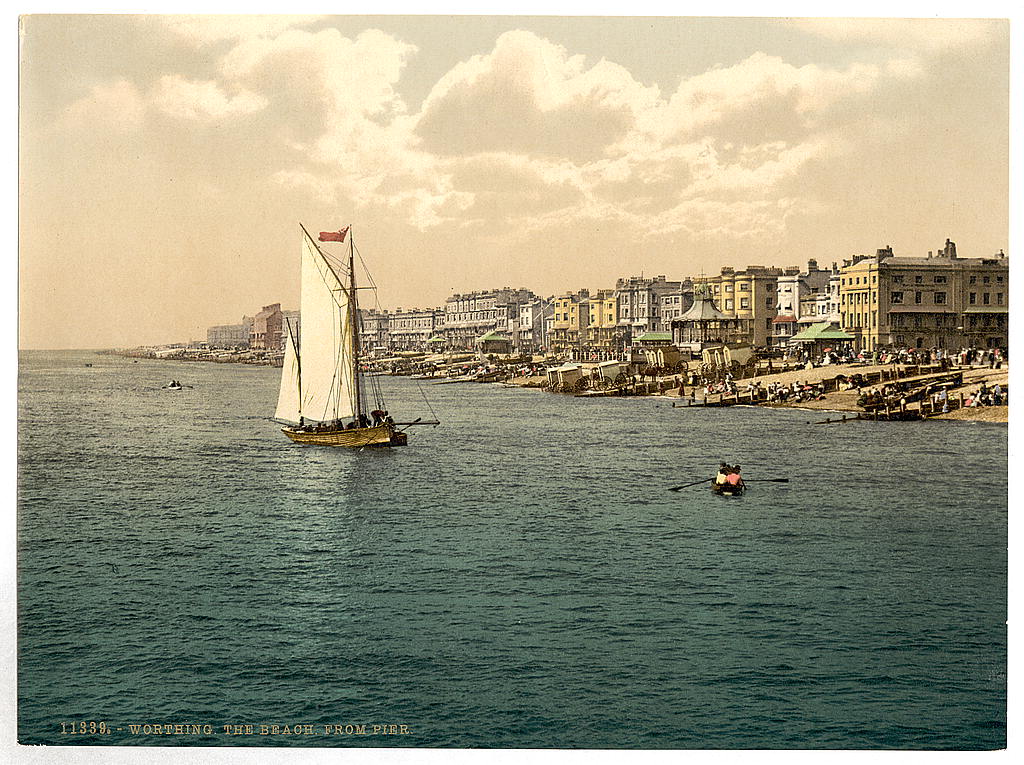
{"x":824,"y":305}
{"x":230,"y":335}
{"x":941,"y":300}
{"x":570,"y":318}
{"x":639,"y":305}
{"x":602,"y":336}
{"x":409,"y":330}
{"x":674,"y":304}
{"x":374,"y":331}
{"x":799,"y":300}
{"x":469,"y":316}
{"x":530,"y":334}
{"x":265,"y":334}
{"x":749,"y":295}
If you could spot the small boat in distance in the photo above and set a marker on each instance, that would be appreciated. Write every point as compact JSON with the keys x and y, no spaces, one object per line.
{"x":323,"y":395}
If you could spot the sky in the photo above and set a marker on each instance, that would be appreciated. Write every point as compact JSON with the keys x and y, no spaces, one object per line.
{"x":167,"y":161}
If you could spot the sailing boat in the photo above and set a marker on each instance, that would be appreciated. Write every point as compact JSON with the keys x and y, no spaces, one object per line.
{"x":322,"y":392}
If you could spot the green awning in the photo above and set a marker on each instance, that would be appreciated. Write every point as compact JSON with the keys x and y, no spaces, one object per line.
{"x":664,"y":337}
{"x":823,"y":330}
{"x":436,"y":339}
{"x":493,"y":335}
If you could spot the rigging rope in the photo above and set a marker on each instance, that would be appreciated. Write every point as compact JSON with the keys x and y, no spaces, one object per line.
{"x":427,"y":401}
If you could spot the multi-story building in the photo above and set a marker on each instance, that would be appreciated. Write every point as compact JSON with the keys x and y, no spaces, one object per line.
{"x":409,"y":330}
{"x":230,"y":335}
{"x":569,"y":322}
{"x":265,"y":334}
{"x":469,"y":316}
{"x":941,"y":300}
{"x":373,"y":331}
{"x":530,"y":334}
{"x":674,"y":304}
{"x":639,"y":303}
{"x":601,"y":332}
{"x":797,"y":302}
{"x":749,"y":295}
{"x":823,"y":305}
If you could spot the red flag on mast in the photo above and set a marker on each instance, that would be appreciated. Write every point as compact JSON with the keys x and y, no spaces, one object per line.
{"x":334,"y":236}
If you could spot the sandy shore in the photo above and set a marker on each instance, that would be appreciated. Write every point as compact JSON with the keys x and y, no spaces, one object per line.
{"x":846,"y":401}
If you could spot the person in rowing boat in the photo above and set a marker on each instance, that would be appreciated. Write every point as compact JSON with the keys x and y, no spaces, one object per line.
{"x":723,"y":472}
{"x":733,"y":478}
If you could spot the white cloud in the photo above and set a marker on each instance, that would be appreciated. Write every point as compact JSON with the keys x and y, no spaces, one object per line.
{"x":350,"y":78}
{"x":530,"y":96}
{"x":207,"y":29}
{"x":572,"y":141}
{"x":186,"y":99}
{"x":764,"y":93}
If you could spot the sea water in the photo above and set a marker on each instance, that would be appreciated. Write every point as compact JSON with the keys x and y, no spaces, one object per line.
{"x":519,"y":576}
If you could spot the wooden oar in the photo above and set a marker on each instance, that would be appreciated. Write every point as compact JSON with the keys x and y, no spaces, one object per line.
{"x":687,"y":485}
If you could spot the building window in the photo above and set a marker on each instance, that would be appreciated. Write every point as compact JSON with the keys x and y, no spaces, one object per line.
{"x":972,"y":298}
{"x":940,"y":298}
{"x":940,"y":279}
{"x":918,"y":280}
{"x":768,"y":302}
{"x":728,"y":305}
{"x":984,"y":298}
{"x":985,"y":279}
{"x":728,"y":288}
{"x":999,"y":280}
{"x":744,"y":302}
{"x":743,"y":287}
{"x":974,"y":280}
{"x":917,"y":297}
{"x":999,"y":298}
{"x":897,"y":279}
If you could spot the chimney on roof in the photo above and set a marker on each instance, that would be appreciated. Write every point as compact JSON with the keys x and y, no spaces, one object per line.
{"x":812,"y":265}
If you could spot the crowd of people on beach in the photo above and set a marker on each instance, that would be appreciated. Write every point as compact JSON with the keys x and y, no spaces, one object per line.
{"x":986,"y":396}
{"x":794,"y":393}
{"x":990,"y":357}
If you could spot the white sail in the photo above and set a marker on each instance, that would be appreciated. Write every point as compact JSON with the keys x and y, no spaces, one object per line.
{"x":327,"y":362}
{"x":288,"y":397}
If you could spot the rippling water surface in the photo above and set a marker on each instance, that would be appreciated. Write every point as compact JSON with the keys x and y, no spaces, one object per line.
{"x":517,"y":577}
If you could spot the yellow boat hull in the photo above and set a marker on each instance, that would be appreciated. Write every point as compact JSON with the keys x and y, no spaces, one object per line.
{"x":354,"y":438}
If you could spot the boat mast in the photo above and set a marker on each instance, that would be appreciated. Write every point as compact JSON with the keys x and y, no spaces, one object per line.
{"x":353,"y":308}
